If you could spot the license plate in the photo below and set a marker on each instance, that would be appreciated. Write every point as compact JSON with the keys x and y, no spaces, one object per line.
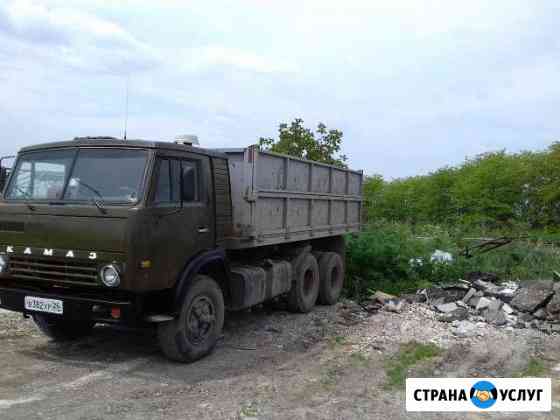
{"x":51,"y":306}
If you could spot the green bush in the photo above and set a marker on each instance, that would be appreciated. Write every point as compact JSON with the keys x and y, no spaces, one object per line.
{"x":395,"y":258}
{"x":390,"y":257}
{"x":492,"y":191}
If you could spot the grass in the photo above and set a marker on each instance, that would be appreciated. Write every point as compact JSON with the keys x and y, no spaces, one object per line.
{"x":535,"y":369}
{"x":337,"y":340}
{"x":249,"y":410}
{"x":408,"y":356}
{"x":359,"y":359}
{"x":329,"y":377}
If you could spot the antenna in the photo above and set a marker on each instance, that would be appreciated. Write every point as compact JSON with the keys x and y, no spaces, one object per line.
{"x":126,"y":106}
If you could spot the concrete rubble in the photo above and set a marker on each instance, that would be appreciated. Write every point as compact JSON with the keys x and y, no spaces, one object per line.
{"x":481,"y":300}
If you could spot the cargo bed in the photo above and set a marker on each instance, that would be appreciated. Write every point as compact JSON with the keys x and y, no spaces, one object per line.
{"x":278,"y":198}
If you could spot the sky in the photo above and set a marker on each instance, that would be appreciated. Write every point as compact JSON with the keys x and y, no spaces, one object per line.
{"x":413,"y":85}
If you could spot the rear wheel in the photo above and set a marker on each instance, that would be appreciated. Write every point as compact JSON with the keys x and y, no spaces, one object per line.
{"x":305,"y":289}
{"x":194,"y":333}
{"x":60,"y":329}
{"x":331,"y":272}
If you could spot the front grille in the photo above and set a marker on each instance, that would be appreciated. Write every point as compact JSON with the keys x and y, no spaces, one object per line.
{"x":60,"y":271}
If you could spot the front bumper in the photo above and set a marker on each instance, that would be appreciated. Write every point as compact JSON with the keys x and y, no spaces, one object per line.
{"x":75,"y":307}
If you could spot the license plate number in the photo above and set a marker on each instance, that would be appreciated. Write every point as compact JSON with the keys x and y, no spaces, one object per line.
{"x":51,"y":306}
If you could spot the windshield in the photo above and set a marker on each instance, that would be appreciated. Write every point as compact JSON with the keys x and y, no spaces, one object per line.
{"x":106,"y":175}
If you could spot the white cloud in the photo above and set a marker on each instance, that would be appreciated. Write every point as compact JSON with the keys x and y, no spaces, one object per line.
{"x":78,"y":39}
{"x":414,"y":85}
{"x":203,"y":58}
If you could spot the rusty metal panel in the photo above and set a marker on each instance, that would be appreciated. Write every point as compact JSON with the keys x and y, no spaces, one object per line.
{"x":278,"y":198}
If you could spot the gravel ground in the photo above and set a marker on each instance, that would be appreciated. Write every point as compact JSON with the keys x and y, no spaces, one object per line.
{"x":328,"y":364}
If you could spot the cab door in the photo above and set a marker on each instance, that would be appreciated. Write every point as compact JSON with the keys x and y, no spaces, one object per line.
{"x":183,"y":222}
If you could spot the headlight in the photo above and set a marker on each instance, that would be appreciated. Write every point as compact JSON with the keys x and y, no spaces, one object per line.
{"x":110,"y":276}
{"x":3,"y":263}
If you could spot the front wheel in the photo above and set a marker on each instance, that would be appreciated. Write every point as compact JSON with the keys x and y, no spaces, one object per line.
{"x":60,"y":329}
{"x":195,"y":332}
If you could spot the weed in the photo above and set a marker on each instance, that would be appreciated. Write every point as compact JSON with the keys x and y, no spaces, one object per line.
{"x":359,"y":359}
{"x":407,"y":357}
{"x":329,"y":377}
{"x":337,"y":340}
{"x":535,"y":368}
{"x":249,"y":410}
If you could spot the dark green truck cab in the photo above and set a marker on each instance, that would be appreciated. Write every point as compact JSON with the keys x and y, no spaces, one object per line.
{"x":105,"y":230}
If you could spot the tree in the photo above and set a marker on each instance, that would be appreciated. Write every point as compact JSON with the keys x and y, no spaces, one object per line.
{"x":299,"y":141}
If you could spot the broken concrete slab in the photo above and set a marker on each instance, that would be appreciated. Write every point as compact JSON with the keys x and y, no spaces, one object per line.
{"x":393,"y":306}
{"x":381,"y":297}
{"x":458,"y":314}
{"x":525,"y":317}
{"x":500,"y":319}
{"x":533,"y":295}
{"x":507,"y":309}
{"x":483,"y":303}
{"x":414,"y":297}
{"x":493,"y":312}
{"x":462,"y":304}
{"x":540,"y":314}
{"x":553,"y":306}
{"x":511,"y":319}
{"x":437,"y":295}
{"x":474,"y":301}
{"x":555,"y":328}
{"x":458,"y":285}
{"x":507,"y":291}
{"x":446,"y":307}
{"x":506,"y":294}
{"x":484,"y":285}
{"x":469,"y":295}
{"x":464,"y":329}
{"x":478,"y":275}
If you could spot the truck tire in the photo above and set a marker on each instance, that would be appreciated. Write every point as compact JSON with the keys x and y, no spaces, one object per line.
{"x":305,"y":288}
{"x":59,"y":329}
{"x":195,"y":331}
{"x":331,"y":273}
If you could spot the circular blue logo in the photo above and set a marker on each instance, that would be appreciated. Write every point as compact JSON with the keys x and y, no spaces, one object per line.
{"x":484,"y":394}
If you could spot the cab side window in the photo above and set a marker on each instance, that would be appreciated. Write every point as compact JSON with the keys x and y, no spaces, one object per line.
{"x":177,"y":180}
{"x":164,"y":184}
{"x":189,"y":175}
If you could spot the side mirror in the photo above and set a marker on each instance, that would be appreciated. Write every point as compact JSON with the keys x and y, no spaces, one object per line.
{"x":3,"y":178}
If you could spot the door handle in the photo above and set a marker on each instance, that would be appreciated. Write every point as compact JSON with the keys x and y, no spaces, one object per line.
{"x":203,"y":229}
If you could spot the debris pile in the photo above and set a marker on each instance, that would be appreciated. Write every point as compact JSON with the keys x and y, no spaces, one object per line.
{"x":481,"y":298}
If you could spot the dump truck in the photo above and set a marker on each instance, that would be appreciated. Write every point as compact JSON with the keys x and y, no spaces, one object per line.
{"x":102,"y":230}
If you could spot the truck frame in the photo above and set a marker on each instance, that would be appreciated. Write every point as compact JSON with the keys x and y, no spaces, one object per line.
{"x":101,"y":230}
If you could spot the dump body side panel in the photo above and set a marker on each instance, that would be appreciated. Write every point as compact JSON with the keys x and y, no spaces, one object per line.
{"x":278,"y":199}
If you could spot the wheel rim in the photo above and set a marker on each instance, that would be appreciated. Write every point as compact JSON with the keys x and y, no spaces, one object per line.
{"x":201,"y":319}
{"x":308,"y":282}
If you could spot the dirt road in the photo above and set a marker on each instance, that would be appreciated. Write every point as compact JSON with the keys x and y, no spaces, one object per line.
{"x":330,"y":364}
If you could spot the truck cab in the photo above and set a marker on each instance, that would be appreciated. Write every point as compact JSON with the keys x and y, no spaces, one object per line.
{"x":101,"y":230}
